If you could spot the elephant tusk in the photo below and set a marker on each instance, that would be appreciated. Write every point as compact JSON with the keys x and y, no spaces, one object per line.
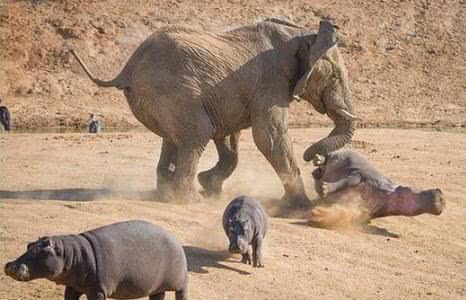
{"x":347,"y":115}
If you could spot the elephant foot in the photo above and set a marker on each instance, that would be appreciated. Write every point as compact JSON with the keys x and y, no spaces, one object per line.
{"x":300,"y":201}
{"x":212,"y":184}
{"x":166,"y":193}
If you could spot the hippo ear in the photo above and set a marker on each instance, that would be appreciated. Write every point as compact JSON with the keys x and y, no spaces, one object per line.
{"x":30,"y":245}
{"x":47,"y":242}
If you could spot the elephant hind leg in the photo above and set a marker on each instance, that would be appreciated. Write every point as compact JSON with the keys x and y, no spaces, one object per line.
{"x":166,"y":167}
{"x":186,"y":168}
{"x":227,"y":148}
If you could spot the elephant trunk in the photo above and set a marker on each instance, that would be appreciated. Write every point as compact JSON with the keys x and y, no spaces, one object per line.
{"x":340,"y":135}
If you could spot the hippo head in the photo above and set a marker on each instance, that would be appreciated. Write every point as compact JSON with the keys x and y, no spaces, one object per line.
{"x":239,"y":235}
{"x":41,"y":260}
{"x":433,"y":201}
{"x":415,"y":202}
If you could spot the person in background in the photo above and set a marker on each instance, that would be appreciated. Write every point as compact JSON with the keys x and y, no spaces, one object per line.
{"x":5,"y":119}
{"x":94,"y":124}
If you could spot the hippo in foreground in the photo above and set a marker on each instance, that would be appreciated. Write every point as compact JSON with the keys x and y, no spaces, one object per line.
{"x":245,"y":223}
{"x":125,"y":260}
{"x":346,"y":171}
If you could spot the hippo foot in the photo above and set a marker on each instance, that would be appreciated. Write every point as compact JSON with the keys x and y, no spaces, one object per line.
{"x":246,"y":259}
{"x":318,"y":160}
{"x":325,"y":189}
{"x":212,"y":184}
{"x":258,"y":264}
{"x":298,"y":201}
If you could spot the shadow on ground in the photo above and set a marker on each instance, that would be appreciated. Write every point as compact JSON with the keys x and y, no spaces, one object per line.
{"x":364,"y":228}
{"x":79,"y":194}
{"x":200,"y":258}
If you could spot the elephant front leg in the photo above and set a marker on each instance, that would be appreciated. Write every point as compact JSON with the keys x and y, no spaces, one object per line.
{"x":186,"y":168}
{"x":166,"y":168}
{"x":271,"y":137}
{"x":227,"y":148}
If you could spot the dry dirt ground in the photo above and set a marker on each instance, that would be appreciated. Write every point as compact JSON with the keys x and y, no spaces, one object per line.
{"x":406,"y":58}
{"x":68,"y":183}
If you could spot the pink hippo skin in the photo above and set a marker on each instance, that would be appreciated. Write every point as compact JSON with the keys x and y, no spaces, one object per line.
{"x":347,"y":170}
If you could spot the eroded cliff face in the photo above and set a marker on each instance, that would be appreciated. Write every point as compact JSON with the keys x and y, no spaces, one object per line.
{"x":407,"y":59}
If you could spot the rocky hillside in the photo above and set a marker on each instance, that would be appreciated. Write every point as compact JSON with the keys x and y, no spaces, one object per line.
{"x":407,"y":58}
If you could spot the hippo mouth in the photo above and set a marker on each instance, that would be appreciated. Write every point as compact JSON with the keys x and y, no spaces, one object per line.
{"x":17,"y":272}
{"x":234,"y":250}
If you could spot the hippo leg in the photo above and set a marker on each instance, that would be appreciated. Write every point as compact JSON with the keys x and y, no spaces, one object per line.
{"x":257,"y":253}
{"x":159,"y":296}
{"x":247,"y":257}
{"x":96,"y":295}
{"x":330,"y":187}
{"x":405,"y":201}
{"x":182,"y":294}
{"x":212,"y":180}
{"x":71,"y":294}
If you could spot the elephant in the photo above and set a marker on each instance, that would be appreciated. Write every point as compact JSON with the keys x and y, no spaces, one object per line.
{"x":191,"y":86}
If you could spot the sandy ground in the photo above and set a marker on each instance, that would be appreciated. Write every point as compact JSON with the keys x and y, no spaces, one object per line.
{"x":68,"y":183}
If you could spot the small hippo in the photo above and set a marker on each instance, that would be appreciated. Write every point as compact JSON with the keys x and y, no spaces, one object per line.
{"x":245,"y":223}
{"x":124,"y":260}
{"x":347,"y":170}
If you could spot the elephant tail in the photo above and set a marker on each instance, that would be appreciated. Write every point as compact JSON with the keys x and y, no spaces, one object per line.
{"x":116,"y":82}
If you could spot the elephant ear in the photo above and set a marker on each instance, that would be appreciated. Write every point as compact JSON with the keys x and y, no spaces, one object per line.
{"x":326,"y":39}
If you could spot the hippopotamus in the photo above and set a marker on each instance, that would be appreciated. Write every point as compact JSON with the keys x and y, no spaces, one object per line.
{"x":245,"y":224}
{"x":125,"y":260}
{"x":347,"y":170}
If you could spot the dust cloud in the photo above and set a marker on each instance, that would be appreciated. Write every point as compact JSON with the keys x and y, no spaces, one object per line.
{"x":344,"y":212}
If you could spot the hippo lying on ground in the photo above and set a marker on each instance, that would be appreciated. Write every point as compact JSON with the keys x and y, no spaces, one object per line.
{"x":124,"y":260}
{"x":245,"y":223}
{"x":347,"y":170}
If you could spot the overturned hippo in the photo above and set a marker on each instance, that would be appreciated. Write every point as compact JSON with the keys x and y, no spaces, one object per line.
{"x":124,"y":260}
{"x":245,"y":223}
{"x":347,"y":170}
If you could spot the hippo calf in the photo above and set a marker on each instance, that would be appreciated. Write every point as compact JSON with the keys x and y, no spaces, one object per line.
{"x":245,"y":223}
{"x":347,"y":170}
{"x":124,"y":260}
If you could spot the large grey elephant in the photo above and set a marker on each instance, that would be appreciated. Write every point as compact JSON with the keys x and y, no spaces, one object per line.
{"x":190,"y":86}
